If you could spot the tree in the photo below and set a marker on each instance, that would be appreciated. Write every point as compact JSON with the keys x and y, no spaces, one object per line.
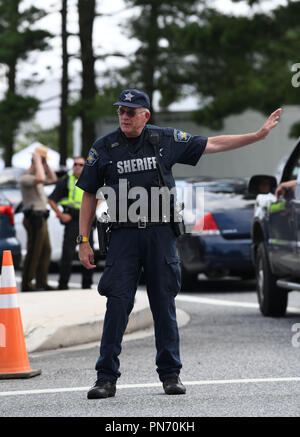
{"x":238,"y":62}
{"x":152,"y":65}
{"x":64,"y":122}
{"x":32,"y":132}
{"x":87,"y":12}
{"x":17,"y":40}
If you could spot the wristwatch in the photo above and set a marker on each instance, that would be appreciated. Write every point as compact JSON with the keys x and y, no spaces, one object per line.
{"x":81,"y":239}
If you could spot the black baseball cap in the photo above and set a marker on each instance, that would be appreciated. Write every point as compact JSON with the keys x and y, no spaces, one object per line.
{"x":133,"y":99}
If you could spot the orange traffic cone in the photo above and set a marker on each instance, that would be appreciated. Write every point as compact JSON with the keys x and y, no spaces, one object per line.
{"x":13,"y":355}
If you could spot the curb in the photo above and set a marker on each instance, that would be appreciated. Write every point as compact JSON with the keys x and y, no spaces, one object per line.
{"x":59,"y":319}
{"x":43,"y":338}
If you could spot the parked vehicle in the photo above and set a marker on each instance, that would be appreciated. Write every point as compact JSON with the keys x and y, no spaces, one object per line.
{"x":222,"y":248}
{"x":276,"y":238}
{"x":8,"y":240}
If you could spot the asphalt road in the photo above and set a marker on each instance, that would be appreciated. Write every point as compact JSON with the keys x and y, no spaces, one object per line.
{"x":236,"y":363}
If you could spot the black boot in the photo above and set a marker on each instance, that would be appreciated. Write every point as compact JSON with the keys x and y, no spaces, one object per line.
{"x":102,"y":389}
{"x":173,"y":386}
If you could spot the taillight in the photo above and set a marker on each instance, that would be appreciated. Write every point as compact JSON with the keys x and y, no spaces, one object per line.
{"x":207,"y":225}
{"x":8,"y":209}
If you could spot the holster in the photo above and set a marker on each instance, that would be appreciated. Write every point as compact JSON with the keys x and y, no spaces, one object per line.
{"x":178,"y":228}
{"x":104,"y":232}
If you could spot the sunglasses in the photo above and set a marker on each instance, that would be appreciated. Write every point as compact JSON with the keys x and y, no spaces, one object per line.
{"x":129,"y":112}
{"x":78,"y":164}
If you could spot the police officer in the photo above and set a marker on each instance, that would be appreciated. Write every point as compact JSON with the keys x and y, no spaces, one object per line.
{"x":127,"y":154}
{"x":37,"y":259}
{"x":69,"y":196}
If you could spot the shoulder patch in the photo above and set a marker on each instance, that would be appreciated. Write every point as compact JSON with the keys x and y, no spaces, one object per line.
{"x":181,"y":137}
{"x":93,"y":156}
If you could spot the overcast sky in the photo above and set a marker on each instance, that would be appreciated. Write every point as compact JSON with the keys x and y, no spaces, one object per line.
{"x":107,"y":38}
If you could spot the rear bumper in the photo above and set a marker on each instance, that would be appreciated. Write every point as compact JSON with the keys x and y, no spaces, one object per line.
{"x":212,"y":253}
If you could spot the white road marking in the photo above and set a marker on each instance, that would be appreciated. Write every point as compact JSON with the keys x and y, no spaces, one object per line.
{"x":222,"y":302}
{"x":211,"y":301}
{"x":149,"y":385}
{"x":183,"y":298}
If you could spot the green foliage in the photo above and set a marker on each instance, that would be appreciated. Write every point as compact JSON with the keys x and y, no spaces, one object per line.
{"x":34,"y":132}
{"x":101,"y":105}
{"x":15,"y":108}
{"x":238,"y":62}
{"x":295,"y":130}
{"x":230,"y":62}
{"x":152,"y":66}
{"x":17,"y":40}
{"x":49,"y":137}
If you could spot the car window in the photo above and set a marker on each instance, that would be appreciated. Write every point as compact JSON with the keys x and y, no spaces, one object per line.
{"x":221,"y":186}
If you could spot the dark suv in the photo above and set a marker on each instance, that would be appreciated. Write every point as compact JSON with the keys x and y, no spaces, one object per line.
{"x":276,"y":237}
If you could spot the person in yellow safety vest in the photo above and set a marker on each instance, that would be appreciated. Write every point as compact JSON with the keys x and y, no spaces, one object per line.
{"x":67,"y":195}
{"x":73,"y":201}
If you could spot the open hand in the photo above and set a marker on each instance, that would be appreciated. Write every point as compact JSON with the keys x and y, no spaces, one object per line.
{"x":271,"y":122}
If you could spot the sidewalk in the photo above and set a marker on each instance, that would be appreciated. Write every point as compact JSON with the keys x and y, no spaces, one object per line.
{"x":54,"y":319}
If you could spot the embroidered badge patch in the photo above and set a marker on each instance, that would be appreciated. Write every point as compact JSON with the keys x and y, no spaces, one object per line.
{"x":92,"y":157}
{"x":181,"y":137}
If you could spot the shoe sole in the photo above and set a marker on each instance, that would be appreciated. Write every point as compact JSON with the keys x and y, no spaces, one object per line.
{"x":179,"y":390}
{"x":175,"y":392}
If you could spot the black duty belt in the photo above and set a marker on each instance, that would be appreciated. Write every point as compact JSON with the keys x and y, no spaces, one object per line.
{"x":141,"y":224}
{"x":32,"y":213}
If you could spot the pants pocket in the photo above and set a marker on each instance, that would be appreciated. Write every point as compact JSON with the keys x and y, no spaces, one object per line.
{"x":173,"y":276}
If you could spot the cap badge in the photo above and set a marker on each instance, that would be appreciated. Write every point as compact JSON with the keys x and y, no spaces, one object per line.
{"x":128,"y":96}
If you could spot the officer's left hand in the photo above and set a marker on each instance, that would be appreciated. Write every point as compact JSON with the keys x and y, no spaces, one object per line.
{"x":271,"y":122}
{"x":86,"y":256}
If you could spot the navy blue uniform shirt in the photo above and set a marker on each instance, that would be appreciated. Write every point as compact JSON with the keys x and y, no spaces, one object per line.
{"x":114,"y":157}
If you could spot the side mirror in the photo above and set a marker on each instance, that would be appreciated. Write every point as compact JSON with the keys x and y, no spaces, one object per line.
{"x":262,"y":184}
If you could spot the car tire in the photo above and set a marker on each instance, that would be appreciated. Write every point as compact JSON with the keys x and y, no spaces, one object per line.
{"x":272,"y":299}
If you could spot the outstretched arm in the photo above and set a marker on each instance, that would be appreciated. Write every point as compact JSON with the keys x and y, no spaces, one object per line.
{"x":222,"y":143}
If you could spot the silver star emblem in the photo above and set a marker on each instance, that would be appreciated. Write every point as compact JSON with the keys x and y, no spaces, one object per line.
{"x":128,"y":96}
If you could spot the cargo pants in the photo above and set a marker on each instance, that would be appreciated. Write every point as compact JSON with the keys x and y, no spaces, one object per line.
{"x":130,"y":249}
